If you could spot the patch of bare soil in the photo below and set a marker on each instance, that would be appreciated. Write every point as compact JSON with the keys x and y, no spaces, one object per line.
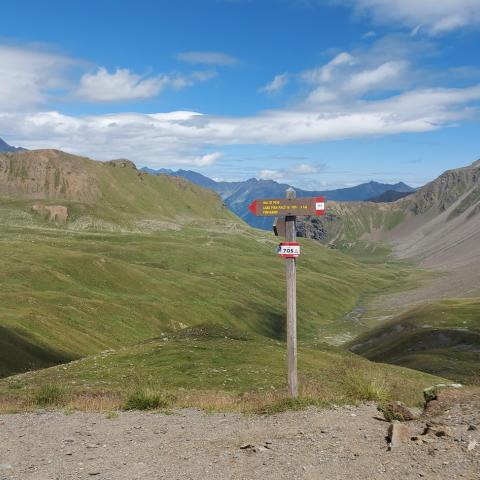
{"x":334,"y":444}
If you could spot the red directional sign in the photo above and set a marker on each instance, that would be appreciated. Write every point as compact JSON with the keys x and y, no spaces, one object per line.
{"x":277,"y":207}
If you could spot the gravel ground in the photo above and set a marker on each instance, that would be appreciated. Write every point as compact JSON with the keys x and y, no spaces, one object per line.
{"x":188,"y":444}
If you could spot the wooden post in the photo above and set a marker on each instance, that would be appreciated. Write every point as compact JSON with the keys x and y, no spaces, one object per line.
{"x":291,"y":236}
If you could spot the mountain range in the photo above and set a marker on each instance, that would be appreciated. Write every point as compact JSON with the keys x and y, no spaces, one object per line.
{"x":239,"y":195}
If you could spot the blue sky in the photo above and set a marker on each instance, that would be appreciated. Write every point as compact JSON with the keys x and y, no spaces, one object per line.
{"x":317,"y":93}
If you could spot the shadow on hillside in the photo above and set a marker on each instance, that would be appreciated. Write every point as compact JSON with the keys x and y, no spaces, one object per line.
{"x":19,"y":353}
{"x":272,"y":324}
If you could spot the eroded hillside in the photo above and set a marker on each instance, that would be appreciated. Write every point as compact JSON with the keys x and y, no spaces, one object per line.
{"x":85,"y":194}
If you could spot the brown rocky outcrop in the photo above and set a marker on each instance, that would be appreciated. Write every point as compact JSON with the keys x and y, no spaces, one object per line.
{"x":47,"y":175}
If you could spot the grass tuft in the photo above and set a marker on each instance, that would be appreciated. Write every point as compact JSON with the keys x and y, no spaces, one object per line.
{"x":49,"y":395}
{"x":359,"y":387}
{"x":142,"y":398}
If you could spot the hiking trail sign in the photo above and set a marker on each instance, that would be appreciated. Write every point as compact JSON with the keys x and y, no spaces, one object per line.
{"x":287,"y":210}
{"x":284,"y":207}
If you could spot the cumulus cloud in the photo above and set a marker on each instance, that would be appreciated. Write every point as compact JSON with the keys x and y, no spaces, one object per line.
{"x":31,"y":77}
{"x":381,"y":67}
{"x":277,"y":84}
{"x":28,"y":76}
{"x":436,"y":16}
{"x":208,"y":58}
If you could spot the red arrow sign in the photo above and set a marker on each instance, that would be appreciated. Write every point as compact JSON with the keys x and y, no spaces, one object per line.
{"x":279,"y":207}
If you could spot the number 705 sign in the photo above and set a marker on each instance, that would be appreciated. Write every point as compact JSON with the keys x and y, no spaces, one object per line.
{"x":289,"y":249}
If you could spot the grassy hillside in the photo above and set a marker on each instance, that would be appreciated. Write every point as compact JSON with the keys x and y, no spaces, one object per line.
{"x":354,"y":221}
{"x":108,"y":196}
{"x":98,"y":257}
{"x":442,"y":338}
{"x":79,"y":293}
{"x":212,"y":368}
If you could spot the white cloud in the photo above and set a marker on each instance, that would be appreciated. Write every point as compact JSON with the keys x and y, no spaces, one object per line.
{"x":176,"y":138}
{"x":437,"y":16}
{"x":289,"y":174}
{"x":382,"y":76}
{"x":179,"y":138}
{"x":207,"y":58}
{"x":348,"y":76}
{"x":337,"y":104}
{"x":305,"y":169}
{"x":103,"y":86}
{"x":28,"y":76}
{"x":325,"y":73}
{"x":207,"y":160}
{"x":277,"y":84}
{"x":276,"y":175}
{"x":121,"y":85}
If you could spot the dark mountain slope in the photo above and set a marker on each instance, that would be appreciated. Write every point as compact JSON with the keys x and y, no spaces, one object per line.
{"x":5,"y":147}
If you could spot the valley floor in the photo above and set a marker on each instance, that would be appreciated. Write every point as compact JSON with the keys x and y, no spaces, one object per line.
{"x":346,"y":442}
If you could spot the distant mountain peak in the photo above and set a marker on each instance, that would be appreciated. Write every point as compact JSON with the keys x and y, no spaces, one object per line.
{"x":5,"y":147}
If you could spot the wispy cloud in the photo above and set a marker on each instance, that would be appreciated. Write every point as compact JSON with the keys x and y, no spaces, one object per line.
{"x":325,"y":72}
{"x":103,"y":86}
{"x":277,"y":84}
{"x":208,"y":58}
{"x":437,"y":17}
{"x":124,"y":85}
{"x":292,"y":172}
{"x":28,"y":76}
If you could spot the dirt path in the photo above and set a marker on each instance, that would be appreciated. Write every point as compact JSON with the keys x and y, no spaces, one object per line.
{"x":346,"y":443}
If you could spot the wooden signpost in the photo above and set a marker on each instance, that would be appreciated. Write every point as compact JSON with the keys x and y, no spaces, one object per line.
{"x":286,"y":210}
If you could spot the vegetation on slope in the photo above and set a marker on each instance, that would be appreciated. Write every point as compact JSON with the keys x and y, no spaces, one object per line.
{"x":214,"y":368}
{"x":102,"y":195}
{"x":80,"y":293}
{"x":143,"y":257}
{"x":441,"y":338}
